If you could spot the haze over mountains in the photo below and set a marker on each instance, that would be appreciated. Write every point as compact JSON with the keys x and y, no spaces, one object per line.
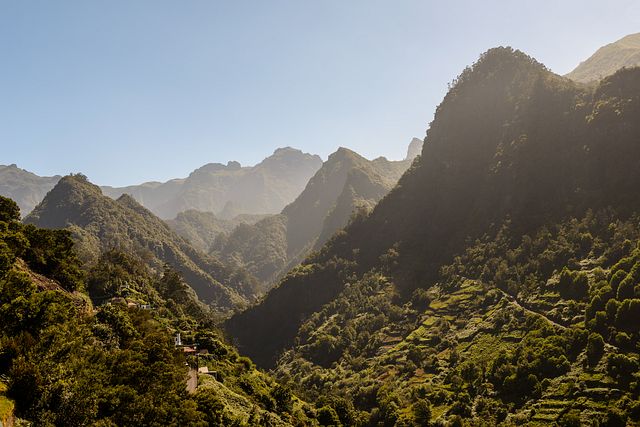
{"x":494,"y":279}
{"x":229,"y":190}
{"x":346,"y":183}
{"x":26,"y":188}
{"x":226,"y":191}
{"x":609,"y":59}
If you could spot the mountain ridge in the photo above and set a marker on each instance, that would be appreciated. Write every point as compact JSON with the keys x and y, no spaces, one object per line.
{"x":608,"y":59}
{"x":345,"y":183}
{"x":100,"y":223}
{"x":481,"y":189}
{"x":231,"y":189}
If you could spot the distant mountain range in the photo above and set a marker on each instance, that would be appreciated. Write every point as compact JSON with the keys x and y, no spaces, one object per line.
{"x":99,"y":223}
{"x":229,"y":190}
{"x":346,"y":183}
{"x":25,"y":188}
{"x":609,"y":59}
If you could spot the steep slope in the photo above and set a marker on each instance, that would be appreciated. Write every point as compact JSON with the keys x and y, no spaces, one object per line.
{"x":65,"y":362}
{"x":26,"y":188}
{"x":497,"y":214}
{"x":202,"y":228}
{"x":510,"y":140}
{"x":229,"y":190}
{"x":609,"y":59}
{"x":481,"y":343}
{"x":345,"y":183}
{"x":99,"y":224}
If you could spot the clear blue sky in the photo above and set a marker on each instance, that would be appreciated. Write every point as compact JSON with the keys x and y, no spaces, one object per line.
{"x":132,"y":90}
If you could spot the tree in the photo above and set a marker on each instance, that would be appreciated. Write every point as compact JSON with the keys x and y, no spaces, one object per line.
{"x":595,"y":348}
{"x":628,"y":315}
{"x":422,"y":412}
{"x":9,"y":210}
{"x":327,"y":416}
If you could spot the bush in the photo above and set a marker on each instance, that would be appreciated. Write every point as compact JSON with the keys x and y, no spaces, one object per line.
{"x":595,"y":348}
{"x":570,"y":419}
{"x":327,"y":416}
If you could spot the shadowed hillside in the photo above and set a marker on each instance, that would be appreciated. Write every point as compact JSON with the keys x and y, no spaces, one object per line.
{"x":512,"y":145}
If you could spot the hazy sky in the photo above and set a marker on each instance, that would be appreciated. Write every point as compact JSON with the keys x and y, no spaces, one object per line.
{"x":132,"y":90}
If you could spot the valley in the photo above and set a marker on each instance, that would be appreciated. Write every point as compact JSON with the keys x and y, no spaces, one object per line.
{"x":490,"y":277}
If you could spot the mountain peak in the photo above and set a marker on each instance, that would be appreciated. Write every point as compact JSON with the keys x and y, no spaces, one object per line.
{"x":77,"y":182}
{"x":608,"y":59}
{"x":290,"y":153}
{"x":414,"y":149}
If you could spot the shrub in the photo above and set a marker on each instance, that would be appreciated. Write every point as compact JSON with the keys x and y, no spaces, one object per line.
{"x":595,"y":348}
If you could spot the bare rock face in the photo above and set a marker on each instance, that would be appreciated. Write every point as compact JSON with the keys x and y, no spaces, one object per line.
{"x":415,"y":148}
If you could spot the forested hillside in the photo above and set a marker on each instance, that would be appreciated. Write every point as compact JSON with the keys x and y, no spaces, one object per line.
{"x":487,"y":285}
{"x":66,"y":361}
{"x":201,"y":228}
{"x":345,"y":184}
{"x":99,"y":224}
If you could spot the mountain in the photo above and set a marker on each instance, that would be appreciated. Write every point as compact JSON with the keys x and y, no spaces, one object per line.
{"x":488,"y":284}
{"x":229,"y":190}
{"x":26,"y":188}
{"x":345,"y":183}
{"x":100,"y":224}
{"x":414,"y":149}
{"x":609,"y":59}
{"x":67,"y":362}
{"x":202,"y":228}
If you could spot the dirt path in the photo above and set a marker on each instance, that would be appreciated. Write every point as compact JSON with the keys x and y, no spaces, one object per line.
{"x":514,"y":301}
{"x":192,"y":381}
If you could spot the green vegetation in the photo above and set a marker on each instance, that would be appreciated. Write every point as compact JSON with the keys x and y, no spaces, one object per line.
{"x":496,"y":283}
{"x":201,"y":228}
{"x":99,"y":224}
{"x":66,"y":362}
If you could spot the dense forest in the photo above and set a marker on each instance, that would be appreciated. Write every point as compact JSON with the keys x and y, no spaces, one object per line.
{"x":66,"y":361}
{"x":479,"y":286}
{"x":493,"y":280}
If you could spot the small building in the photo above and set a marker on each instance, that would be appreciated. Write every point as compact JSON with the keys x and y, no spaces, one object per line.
{"x":189,"y":350}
